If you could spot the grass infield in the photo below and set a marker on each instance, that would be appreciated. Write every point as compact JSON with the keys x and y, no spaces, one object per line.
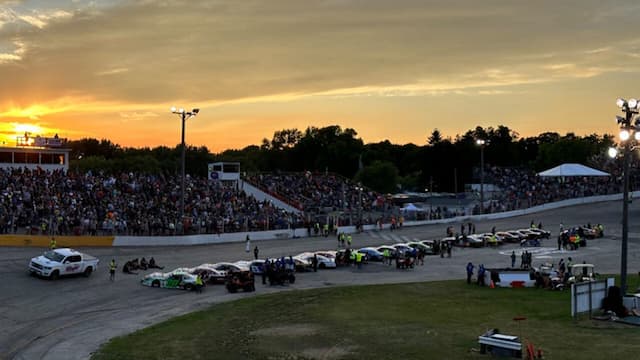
{"x":434,"y":320}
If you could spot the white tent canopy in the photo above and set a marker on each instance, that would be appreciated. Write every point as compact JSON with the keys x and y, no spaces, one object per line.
{"x":572,"y":169}
{"x":411,"y":207}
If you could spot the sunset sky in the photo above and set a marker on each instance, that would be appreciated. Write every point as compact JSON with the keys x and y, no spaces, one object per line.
{"x":389,"y":69}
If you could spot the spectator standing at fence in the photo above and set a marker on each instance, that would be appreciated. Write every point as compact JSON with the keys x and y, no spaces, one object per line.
{"x":513,"y":258}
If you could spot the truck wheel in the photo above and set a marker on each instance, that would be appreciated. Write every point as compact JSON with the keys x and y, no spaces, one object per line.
{"x":188,"y":287}
{"x":88,"y":271}
{"x":322,"y":266}
{"x":54,"y":275}
{"x":155,"y":283}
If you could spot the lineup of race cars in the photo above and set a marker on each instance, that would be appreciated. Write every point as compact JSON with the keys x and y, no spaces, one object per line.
{"x":60,"y":262}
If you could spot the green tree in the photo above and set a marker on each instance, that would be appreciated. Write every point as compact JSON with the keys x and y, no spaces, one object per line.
{"x":382,"y":176}
{"x":435,"y":137}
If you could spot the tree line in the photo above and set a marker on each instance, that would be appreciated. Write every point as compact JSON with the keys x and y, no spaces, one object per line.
{"x":441,"y":164}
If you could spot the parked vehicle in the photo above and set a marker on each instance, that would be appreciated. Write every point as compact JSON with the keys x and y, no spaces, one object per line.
{"x":323,"y":261}
{"x":257,"y":267}
{"x":582,"y":273}
{"x":520,"y":236}
{"x":588,"y":233}
{"x":542,"y":234}
{"x":427,"y":250}
{"x":240,"y":280}
{"x":473,"y":240}
{"x":371,"y":254}
{"x":302,"y":263}
{"x":61,"y":262}
{"x":430,"y":244}
{"x":209,"y":275}
{"x":331,"y":254}
{"x":392,"y":250}
{"x":171,"y":280}
{"x":508,"y":237}
{"x":529,"y":233}
{"x":490,"y":239}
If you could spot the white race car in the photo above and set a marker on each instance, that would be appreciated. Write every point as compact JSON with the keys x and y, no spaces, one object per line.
{"x":171,"y":280}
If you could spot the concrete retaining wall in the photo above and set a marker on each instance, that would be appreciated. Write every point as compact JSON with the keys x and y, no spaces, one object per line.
{"x":61,"y":241}
{"x":204,"y":238}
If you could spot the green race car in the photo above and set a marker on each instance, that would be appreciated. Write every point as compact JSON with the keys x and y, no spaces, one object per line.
{"x":170,"y":280}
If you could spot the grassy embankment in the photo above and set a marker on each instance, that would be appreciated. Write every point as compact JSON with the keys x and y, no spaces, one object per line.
{"x":435,"y":320}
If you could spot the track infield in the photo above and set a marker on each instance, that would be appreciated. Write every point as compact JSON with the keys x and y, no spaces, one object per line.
{"x":434,"y":320}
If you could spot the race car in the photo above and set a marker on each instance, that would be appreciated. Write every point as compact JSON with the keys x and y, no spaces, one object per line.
{"x":508,"y":237}
{"x":171,"y":280}
{"x":209,"y":274}
{"x":323,"y":262}
{"x":371,"y":254}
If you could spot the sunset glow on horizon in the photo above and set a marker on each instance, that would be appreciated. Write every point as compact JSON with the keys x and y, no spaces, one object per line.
{"x":389,"y":70}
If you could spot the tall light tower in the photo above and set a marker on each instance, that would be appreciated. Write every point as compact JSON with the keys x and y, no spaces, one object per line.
{"x":629,"y":108}
{"x":184,"y":115}
{"x":481,"y":143}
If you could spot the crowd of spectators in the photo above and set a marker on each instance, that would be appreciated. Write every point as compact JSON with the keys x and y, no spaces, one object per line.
{"x":316,"y":192}
{"x":45,"y":202}
{"x":38,"y":201}
{"x":523,"y":188}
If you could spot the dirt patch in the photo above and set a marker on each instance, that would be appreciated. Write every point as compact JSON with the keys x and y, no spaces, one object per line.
{"x":334,"y":352}
{"x":289,"y":330}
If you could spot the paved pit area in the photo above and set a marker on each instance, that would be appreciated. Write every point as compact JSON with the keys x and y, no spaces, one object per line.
{"x":71,"y":317}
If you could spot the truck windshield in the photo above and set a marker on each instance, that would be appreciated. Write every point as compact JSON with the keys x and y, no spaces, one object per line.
{"x":53,"y":256}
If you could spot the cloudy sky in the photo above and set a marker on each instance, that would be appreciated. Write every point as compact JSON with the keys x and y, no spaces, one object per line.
{"x":389,"y":69}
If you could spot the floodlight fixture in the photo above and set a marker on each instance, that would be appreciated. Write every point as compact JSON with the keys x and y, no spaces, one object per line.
{"x":633,"y":103}
{"x":624,"y":135}
{"x":612,"y":152}
{"x":621,"y":102}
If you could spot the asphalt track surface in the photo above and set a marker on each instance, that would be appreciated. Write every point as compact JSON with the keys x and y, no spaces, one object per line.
{"x":71,"y":317}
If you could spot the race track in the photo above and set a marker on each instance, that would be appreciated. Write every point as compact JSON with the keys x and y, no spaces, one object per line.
{"x":71,"y":317}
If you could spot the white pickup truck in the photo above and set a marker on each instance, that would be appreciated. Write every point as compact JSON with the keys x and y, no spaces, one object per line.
{"x":59,"y":262}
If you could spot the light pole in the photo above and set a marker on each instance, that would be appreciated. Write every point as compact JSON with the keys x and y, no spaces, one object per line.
{"x":359,"y":188}
{"x":184,"y":115}
{"x":629,"y":108}
{"x":481,"y":143}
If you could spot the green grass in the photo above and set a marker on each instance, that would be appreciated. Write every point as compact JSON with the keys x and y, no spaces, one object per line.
{"x":435,"y":320}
